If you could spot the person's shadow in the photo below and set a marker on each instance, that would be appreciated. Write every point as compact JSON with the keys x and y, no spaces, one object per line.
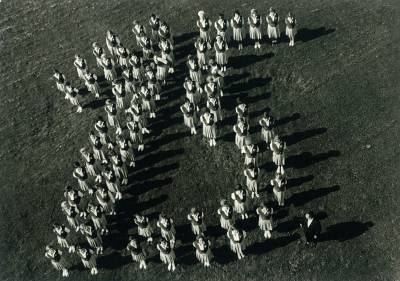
{"x":308,"y":34}
{"x":344,"y":231}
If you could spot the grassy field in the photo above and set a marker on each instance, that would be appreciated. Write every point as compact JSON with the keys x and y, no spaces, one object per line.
{"x":335,"y":95}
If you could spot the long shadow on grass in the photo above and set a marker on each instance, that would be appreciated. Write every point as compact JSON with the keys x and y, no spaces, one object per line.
{"x":140,"y":188}
{"x":301,"y":198}
{"x":293,"y":182}
{"x":345,"y":230}
{"x":178,"y":39}
{"x":113,"y":261}
{"x":266,"y":246}
{"x":159,"y":156}
{"x":251,"y":84}
{"x":224,"y":255}
{"x":306,"y":159}
{"x":287,"y":119}
{"x":307,"y":34}
{"x":300,"y":136}
{"x":247,"y":60}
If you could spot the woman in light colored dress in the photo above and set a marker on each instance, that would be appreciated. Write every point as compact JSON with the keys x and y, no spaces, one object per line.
{"x":56,"y":259}
{"x":119,"y":167}
{"x":221,"y":47}
{"x":194,"y":70}
{"x":72,"y":94}
{"x":137,"y":67}
{"x":139,"y":31}
{"x":212,"y":89}
{"x":112,"y":116}
{"x":221,"y":26}
{"x":98,"y":218}
{"x":236,"y":241}
{"x":88,"y":258}
{"x":80,"y":174}
{"x":62,"y":232}
{"x":237,"y":29}
{"x":267,"y":123}
{"x":147,"y":47}
{"x":193,"y":93}
{"x":250,"y":152}
{"x":251,"y":173}
{"x":154,"y":23}
{"x":109,"y":68}
{"x":204,"y":25}
{"x":196,"y":219}
{"x":148,"y":101}
{"x":242,"y":111}
{"x":98,"y":51}
{"x":145,"y":229}
{"x":123,"y":55}
{"x":112,"y":42}
{"x":97,"y":148}
{"x":129,"y":80}
{"x":102,"y":129}
{"x":217,"y":75}
{"x":202,"y":48}
{"x":165,"y":33}
{"x":167,"y":49}
{"x":225,"y":213}
{"x":92,"y":236}
{"x":167,"y":254}
{"x":279,"y":184}
{"x":90,"y":162}
{"x":72,"y":215}
{"x":167,"y":228}
{"x":278,"y":148}
{"x":60,"y":80}
{"x":152,"y":82}
{"x":241,"y":130}
{"x":291,"y":28}
{"x":126,"y":151}
{"x":203,"y":250}
{"x":265,"y":220}
{"x":189,"y":116}
{"x":214,"y":105}
{"x":162,"y":64}
{"x":119,"y":93}
{"x":240,"y":201}
{"x":137,"y":252}
{"x":112,"y":182}
{"x":106,"y":200}
{"x":209,"y":127}
{"x":135,"y":132}
{"x":273,"y":25}
{"x":255,"y":22}
{"x":81,"y":66}
{"x":92,"y":85}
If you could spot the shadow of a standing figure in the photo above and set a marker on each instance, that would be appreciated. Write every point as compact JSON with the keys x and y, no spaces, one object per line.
{"x":306,"y":159}
{"x":271,"y":244}
{"x":301,"y":198}
{"x":307,"y":34}
{"x":247,"y":60}
{"x":344,"y":231}
{"x":300,"y":136}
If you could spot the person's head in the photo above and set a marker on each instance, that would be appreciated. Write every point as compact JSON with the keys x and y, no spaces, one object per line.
{"x":206,"y":110}
{"x":271,"y":10}
{"x":193,"y":210}
{"x":132,"y":241}
{"x":253,"y":12}
{"x":309,"y":215}
{"x":237,"y":13}
{"x":221,"y":16}
{"x":201,"y":14}
{"x":218,"y":38}
{"x":238,"y":186}
{"x":77,"y":165}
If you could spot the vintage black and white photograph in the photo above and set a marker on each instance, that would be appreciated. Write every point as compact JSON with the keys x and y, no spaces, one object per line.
{"x":200,"y":140}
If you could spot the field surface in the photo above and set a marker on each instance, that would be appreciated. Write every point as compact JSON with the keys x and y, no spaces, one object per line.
{"x":335,"y":96}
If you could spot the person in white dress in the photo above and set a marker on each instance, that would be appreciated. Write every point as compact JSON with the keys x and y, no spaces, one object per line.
{"x":236,"y":241}
{"x":240,"y":201}
{"x":291,"y":28}
{"x":204,"y":24}
{"x":279,"y":184}
{"x":237,"y":23}
{"x":265,"y":220}
{"x":278,"y":148}
{"x":255,"y":22}
{"x":273,"y":25}
{"x":203,"y":250}
{"x":57,"y":260}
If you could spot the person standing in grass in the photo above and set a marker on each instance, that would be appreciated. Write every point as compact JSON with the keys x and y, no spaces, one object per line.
{"x":137,"y":67}
{"x":273,"y":25}
{"x":145,"y":229}
{"x":196,"y":219}
{"x":92,"y":85}
{"x":278,"y":148}
{"x":112,"y":42}
{"x":311,"y":228}
{"x":102,"y":130}
{"x":62,"y":232}
{"x":119,"y":167}
{"x":189,"y":116}
{"x":265,"y":222}
{"x":135,"y":132}
{"x":242,"y":110}
{"x":112,"y":116}
{"x":251,"y":173}
{"x":167,"y":254}
{"x":204,"y":24}
{"x":203,"y":251}
{"x":126,"y":151}
{"x":167,"y":228}
{"x":214,"y":105}
{"x":255,"y":23}
{"x":194,"y":70}
{"x":108,"y":66}
{"x":72,"y":215}
{"x":209,"y":127}
{"x":164,"y":33}
{"x":291,"y":28}
{"x":241,"y":130}
{"x":60,"y":80}
{"x":221,"y":47}
{"x":129,"y":80}
{"x":88,"y":258}
{"x":72,"y":94}
{"x":202,"y":48}
{"x":80,"y":174}
{"x":98,"y":218}
{"x":236,"y":241}
{"x":237,"y":28}
{"x":250,"y":152}
{"x":119,"y":93}
{"x":98,"y":51}
{"x":221,"y":26}
{"x":139,"y":31}
{"x":279,"y":184}
{"x":123,"y":55}
{"x":240,"y":202}
{"x":97,"y":147}
{"x":92,"y":236}
{"x":193,"y":93}
{"x":56,"y":259}
{"x":267,"y":128}
{"x":81,"y":66}
{"x":154,"y":23}
{"x":225,"y":213}
{"x":137,"y":252}
{"x":106,"y":200}
{"x":111,"y":182}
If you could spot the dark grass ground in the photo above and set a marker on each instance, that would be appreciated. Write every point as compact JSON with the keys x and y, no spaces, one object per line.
{"x":335,"y":95}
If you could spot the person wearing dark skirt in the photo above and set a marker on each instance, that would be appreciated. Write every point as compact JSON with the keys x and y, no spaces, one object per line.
{"x":311,"y":228}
